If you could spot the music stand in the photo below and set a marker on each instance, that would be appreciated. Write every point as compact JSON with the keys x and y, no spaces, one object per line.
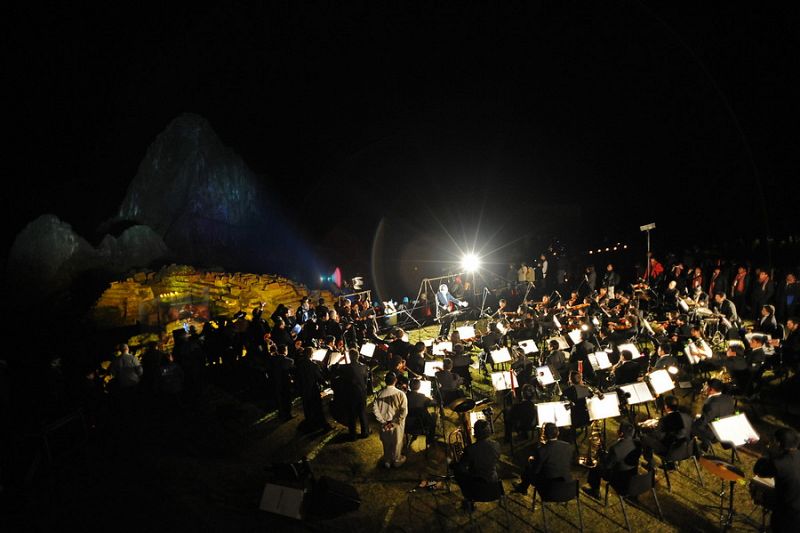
{"x":554,"y":412}
{"x":500,"y":356}
{"x":505,"y":380}
{"x":562,"y":342}
{"x":367,"y":350}
{"x":735,"y":430}
{"x":426,"y":388}
{"x":637,"y":393}
{"x":466,"y":332}
{"x":635,"y":354}
{"x":528,"y":346}
{"x":602,"y":408}
{"x":432,"y":367}
{"x":442,"y":347}
{"x":660,"y":381}
{"x":546,"y":376}
{"x":599,"y":361}
{"x":319,"y":355}
{"x":576,"y":336}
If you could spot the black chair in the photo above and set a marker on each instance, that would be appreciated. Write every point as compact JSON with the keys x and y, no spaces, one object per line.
{"x":678,"y":454}
{"x":637,"y":485}
{"x":558,"y":492}
{"x":481,"y":491}
{"x":416,"y":427}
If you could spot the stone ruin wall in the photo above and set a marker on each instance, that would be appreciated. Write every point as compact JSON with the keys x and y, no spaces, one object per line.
{"x":144,"y":297}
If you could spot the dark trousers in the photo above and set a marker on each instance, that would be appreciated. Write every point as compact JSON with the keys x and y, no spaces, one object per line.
{"x":358,"y":410}
{"x":652,"y":443}
{"x":619,"y":479}
{"x":312,"y":410}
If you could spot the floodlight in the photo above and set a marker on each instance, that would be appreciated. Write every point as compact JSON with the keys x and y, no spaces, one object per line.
{"x":470,"y":263}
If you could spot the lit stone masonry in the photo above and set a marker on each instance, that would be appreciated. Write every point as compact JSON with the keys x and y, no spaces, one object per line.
{"x":146,"y":297}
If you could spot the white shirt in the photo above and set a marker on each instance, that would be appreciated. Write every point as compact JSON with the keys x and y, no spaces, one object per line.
{"x":391,"y":405}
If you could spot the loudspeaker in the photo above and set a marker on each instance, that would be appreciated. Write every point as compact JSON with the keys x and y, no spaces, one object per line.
{"x":332,"y":497}
{"x":282,"y":500}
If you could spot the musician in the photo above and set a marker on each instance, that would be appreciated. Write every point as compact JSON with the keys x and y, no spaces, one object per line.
{"x":718,"y":282}
{"x":476,"y":471}
{"x":390,"y":409}
{"x":665,"y":359}
{"x":697,"y":349}
{"x":783,"y":464}
{"x":449,"y":383}
{"x":756,"y":358}
{"x":443,"y":301}
{"x":618,"y":465}
{"x":673,"y":430}
{"x":461,"y":362}
{"x":790,"y":347}
{"x":717,"y":405}
{"x":576,"y":394}
{"x":726,"y":308}
{"x":549,"y":462}
{"x":627,"y":369}
{"x":580,"y":352}
{"x":399,"y":348}
{"x":418,"y":413}
{"x":416,"y":360}
{"x":311,"y":382}
{"x":696,"y":281}
{"x":490,"y":341}
{"x":557,"y":359}
{"x":303,"y":312}
{"x":355,"y":379}
{"x":767,"y":323}
{"x":527,"y":331}
{"x":735,"y":364}
{"x":521,"y":416}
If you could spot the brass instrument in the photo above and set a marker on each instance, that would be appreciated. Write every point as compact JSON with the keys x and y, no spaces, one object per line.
{"x":455,"y":446}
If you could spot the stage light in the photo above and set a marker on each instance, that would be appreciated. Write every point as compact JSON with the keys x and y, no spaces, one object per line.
{"x":470,"y":263}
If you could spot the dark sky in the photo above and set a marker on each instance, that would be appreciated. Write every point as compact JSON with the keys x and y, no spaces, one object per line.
{"x":606,"y":115}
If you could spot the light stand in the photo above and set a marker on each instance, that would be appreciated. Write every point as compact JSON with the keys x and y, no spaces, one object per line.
{"x":647,"y":228}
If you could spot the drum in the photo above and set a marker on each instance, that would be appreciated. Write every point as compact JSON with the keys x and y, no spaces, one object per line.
{"x":704,"y":312}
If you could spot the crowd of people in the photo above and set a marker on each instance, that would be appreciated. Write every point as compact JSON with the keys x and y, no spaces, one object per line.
{"x":718,"y":326}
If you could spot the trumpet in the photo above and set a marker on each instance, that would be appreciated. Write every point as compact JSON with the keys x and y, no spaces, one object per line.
{"x":455,"y":445}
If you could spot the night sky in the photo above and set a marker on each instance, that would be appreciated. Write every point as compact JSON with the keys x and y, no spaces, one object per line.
{"x":584,"y":120}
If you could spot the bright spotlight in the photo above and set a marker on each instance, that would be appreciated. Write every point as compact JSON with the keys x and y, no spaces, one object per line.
{"x":470,"y":263}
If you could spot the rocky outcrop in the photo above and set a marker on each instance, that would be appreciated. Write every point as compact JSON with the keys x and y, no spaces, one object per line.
{"x":196,"y":193}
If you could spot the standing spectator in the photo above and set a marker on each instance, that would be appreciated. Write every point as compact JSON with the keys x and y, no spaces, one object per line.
{"x":788,"y":297}
{"x":739,"y":289}
{"x":127,"y":370}
{"x":763,"y":292}
{"x":390,"y":409}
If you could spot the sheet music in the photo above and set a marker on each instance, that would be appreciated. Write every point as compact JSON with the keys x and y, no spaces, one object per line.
{"x":661,"y":381}
{"x":501,"y":356}
{"x":562,"y":343}
{"x":639,"y":392}
{"x":466,"y":332}
{"x":440,"y":348}
{"x":319,"y":355}
{"x":598,"y":409}
{"x":528,"y":346}
{"x":575,"y":336}
{"x":556,"y":322}
{"x":367,"y":350}
{"x":631,"y":348}
{"x":504,"y":380}
{"x":428,"y":342}
{"x":337,"y":358}
{"x":432,"y":367}
{"x":599,"y":360}
{"x":502,"y":328}
{"x":474,"y":416}
{"x":425,"y":388}
{"x":544,"y":375}
{"x":735,"y":429}
{"x":554,"y":412}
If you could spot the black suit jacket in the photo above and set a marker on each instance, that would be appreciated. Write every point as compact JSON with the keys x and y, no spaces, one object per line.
{"x":628,"y":372}
{"x":621,"y":457}
{"x":577,"y":394}
{"x":674,"y":429}
{"x":552,"y":461}
{"x":785,"y":468}
{"x":718,"y":406}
